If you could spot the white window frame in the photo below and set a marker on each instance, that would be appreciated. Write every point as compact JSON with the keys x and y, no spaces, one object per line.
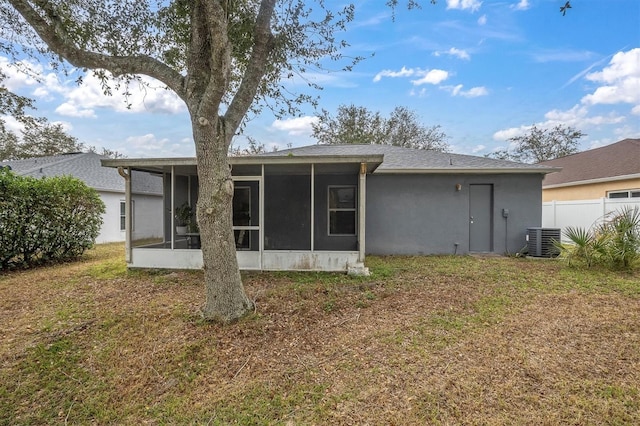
{"x":629,"y":193}
{"x":123,"y":214}
{"x":353,"y":209}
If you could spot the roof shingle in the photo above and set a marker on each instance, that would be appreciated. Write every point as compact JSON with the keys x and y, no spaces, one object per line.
{"x":85,"y":166}
{"x":408,"y":159}
{"x":615,"y":160}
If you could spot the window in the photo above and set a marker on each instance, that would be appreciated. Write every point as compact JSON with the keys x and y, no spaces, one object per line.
{"x":634,"y":193}
{"x":342,"y":210}
{"x":123,"y":213}
{"x":618,"y":194}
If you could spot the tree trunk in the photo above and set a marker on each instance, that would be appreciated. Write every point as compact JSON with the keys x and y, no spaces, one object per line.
{"x":226,"y":300}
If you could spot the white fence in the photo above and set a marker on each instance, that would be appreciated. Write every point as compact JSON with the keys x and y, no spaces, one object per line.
{"x":581,"y":213}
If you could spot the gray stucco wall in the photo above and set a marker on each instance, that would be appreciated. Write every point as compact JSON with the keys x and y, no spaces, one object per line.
{"x":424,"y":214}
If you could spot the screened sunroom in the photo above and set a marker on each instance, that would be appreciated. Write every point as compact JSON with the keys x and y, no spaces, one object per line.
{"x":289,"y":213}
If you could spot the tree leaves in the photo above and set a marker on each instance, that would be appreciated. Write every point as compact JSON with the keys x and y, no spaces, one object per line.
{"x":542,"y":144}
{"x":358,"y":125}
{"x":39,"y":138}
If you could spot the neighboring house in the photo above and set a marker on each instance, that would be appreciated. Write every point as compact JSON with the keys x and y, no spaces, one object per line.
{"x":591,"y":184}
{"x":323,"y":207}
{"x":146,"y":193}
{"x":612,"y":171}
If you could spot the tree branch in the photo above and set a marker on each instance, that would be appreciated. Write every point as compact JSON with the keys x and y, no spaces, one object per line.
{"x":263,"y":45}
{"x":210,"y":44}
{"x":53,"y":34}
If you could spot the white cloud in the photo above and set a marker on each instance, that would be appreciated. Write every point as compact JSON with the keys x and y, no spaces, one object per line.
{"x":569,"y":116}
{"x":458,"y":53}
{"x":49,"y":85}
{"x":478,"y":148}
{"x":85,"y":99}
{"x":145,"y":142}
{"x":506,"y":134}
{"x":474,"y":92}
{"x":621,"y":80}
{"x":473,"y":5}
{"x":404,"y":72}
{"x":70,"y":110}
{"x":295,"y":126}
{"x":430,"y":77}
{"x":149,"y":145}
{"x":11,"y":124}
{"x":521,"y":5}
{"x":622,"y":64}
{"x":577,"y":117}
{"x":482,"y":20}
{"x":626,"y":131}
{"x":425,"y":76}
{"x":620,"y":85}
{"x":26,"y":74}
{"x":146,"y":97}
{"x":16,"y":78}
{"x":66,"y":126}
{"x":14,"y":126}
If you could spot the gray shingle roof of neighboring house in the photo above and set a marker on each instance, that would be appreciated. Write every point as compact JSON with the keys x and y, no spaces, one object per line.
{"x":611,"y":161}
{"x":86,"y":167}
{"x":399,"y":159}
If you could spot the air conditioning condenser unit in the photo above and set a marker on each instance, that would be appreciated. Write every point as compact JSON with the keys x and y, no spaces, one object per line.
{"x":541,"y":241}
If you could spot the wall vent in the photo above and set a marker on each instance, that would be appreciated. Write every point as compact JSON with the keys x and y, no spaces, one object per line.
{"x":540,"y":241}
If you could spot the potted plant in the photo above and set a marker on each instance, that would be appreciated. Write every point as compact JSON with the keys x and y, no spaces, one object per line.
{"x":183,"y":218}
{"x":193,"y":227}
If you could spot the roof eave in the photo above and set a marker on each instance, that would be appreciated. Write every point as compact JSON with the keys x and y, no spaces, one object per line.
{"x":467,"y":171}
{"x":149,"y":163}
{"x":592,"y":181}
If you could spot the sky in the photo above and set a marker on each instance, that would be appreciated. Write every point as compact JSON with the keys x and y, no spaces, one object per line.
{"x":484,"y":71}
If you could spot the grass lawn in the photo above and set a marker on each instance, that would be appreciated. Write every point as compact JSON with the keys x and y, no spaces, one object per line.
{"x":423,"y":340}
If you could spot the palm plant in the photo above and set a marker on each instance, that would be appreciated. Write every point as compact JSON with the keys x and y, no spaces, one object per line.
{"x":615,"y":243}
{"x":581,"y":246}
{"x":623,"y":242}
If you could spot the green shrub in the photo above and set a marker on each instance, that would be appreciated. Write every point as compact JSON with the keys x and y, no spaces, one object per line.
{"x":614,"y":244}
{"x":46,"y":220}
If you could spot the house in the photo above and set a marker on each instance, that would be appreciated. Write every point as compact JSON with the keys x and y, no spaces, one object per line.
{"x":324,"y":207}
{"x":591,"y":185}
{"x":612,"y":171}
{"x":146,"y":193}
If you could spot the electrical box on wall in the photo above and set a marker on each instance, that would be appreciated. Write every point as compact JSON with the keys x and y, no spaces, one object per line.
{"x":505,"y":213}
